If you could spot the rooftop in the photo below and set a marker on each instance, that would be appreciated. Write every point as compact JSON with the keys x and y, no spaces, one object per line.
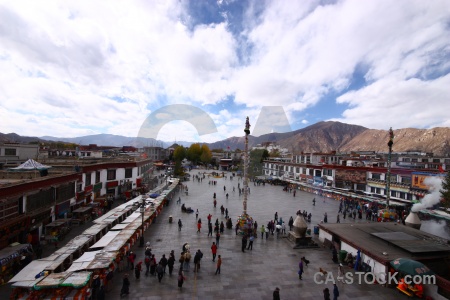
{"x":393,"y":239}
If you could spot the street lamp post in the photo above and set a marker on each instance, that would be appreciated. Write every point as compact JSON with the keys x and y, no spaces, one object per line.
{"x":141,"y":240}
{"x":388,"y":179}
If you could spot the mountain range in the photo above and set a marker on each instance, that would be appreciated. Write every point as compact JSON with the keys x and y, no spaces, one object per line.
{"x":320,"y":137}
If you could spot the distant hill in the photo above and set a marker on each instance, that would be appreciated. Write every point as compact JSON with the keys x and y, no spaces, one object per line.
{"x":320,"y":137}
{"x":336,"y":136}
{"x":114,"y":141}
{"x":15,"y":138}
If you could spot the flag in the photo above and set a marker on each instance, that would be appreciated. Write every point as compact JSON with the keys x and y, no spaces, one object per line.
{"x":442,"y":168}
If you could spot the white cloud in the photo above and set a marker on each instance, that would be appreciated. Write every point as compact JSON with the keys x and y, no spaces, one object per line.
{"x":83,"y":67}
{"x":399,"y":104}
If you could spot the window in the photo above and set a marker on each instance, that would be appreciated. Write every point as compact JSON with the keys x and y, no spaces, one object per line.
{"x":10,"y":152}
{"x":97,"y":177}
{"x":406,"y":159}
{"x":88,"y":179}
{"x":111,"y":175}
{"x":128,"y":173}
{"x":436,"y":160}
{"x":376,"y":176}
{"x":424,"y":159}
{"x":414,"y":160}
{"x":406,"y":180}
{"x":402,"y":195}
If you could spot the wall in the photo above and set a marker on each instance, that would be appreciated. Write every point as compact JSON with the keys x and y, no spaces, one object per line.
{"x":324,"y":235}
{"x":375,"y":265}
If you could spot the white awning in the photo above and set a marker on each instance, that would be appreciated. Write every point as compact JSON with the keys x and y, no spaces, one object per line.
{"x":119,"y":226}
{"x":132,"y":217}
{"x":105,"y":240}
{"x":31,"y":270}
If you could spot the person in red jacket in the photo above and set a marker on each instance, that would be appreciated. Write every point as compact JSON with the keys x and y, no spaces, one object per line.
{"x":214,"y":251}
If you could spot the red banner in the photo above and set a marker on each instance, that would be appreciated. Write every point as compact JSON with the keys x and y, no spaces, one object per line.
{"x":138,"y":182}
{"x":112,"y":184}
{"x":88,"y":188}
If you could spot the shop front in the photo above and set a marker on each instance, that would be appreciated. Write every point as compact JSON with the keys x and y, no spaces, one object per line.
{"x":37,"y":222}
{"x":111,"y":187}
{"x":62,"y":209}
{"x":97,"y":189}
{"x":13,"y":231}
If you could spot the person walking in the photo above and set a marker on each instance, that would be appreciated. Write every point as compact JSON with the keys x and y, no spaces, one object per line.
{"x":153,"y":265}
{"x":180,"y":278}
{"x":244,"y":242}
{"x":171,"y":262}
{"x":131,"y":259}
{"x":338,"y":220}
{"x":160,"y":271}
{"x":197,"y":258}
{"x":125,"y":290}
{"x":217,"y":239}
{"x":325,"y":218}
{"x":263,"y":230}
{"x":199,"y":226}
{"x":326,"y":294}
{"x":291,"y":223}
{"x":163,"y":261}
{"x":300,"y":270}
{"x":221,"y":227}
{"x":335,"y":292}
{"x":276,"y":294}
{"x":214,"y":251}
{"x":179,"y":224}
{"x":219,"y":264}
{"x":210,"y":229}
{"x":147,"y":264}
{"x":196,"y":214}
{"x":250,"y":244}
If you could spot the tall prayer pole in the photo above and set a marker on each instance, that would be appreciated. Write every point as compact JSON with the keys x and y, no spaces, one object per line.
{"x":388,"y":179}
{"x":245,"y":221}
{"x":246,"y":162}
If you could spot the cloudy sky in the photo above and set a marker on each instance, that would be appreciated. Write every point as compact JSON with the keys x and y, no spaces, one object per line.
{"x":74,"y":68}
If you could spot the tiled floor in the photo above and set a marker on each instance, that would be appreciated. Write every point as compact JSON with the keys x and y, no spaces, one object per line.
{"x":250,"y":275}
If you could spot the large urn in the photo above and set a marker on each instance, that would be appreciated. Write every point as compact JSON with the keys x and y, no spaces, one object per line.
{"x":413,"y":220}
{"x":300,"y":226}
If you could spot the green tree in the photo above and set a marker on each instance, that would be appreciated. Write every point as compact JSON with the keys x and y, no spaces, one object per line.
{"x":179,"y":153}
{"x":206,"y":155}
{"x":445,"y":191}
{"x":194,"y":152}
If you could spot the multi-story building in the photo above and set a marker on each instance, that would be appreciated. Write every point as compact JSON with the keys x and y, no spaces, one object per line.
{"x":29,"y":202}
{"x":361,"y":172}
{"x":156,"y":153}
{"x":12,"y":154}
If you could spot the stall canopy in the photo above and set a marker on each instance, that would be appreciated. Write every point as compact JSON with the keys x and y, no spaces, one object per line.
{"x":106,"y":239}
{"x":13,"y":251}
{"x":30,"y":165}
{"x":93,"y":260}
{"x":31,"y":271}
